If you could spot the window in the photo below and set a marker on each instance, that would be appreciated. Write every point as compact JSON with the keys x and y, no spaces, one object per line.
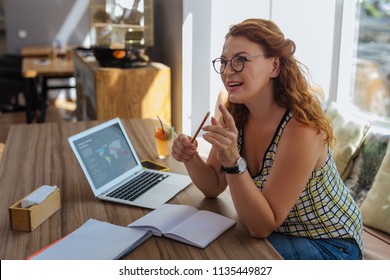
{"x":371,"y":84}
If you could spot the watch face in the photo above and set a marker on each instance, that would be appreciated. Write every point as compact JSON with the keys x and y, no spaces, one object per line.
{"x":242,"y":165}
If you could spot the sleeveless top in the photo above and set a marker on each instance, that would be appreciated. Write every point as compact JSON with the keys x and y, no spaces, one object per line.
{"x":325,"y":208}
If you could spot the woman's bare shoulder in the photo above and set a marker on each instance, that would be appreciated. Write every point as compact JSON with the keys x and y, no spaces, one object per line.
{"x":295,"y":127}
{"x":299,"y":134}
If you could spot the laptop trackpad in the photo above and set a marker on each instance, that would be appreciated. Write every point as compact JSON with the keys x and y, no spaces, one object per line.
{"x":158,"y":195}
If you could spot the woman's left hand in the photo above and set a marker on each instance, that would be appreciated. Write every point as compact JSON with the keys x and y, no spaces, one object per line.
{"x":223,"y":137}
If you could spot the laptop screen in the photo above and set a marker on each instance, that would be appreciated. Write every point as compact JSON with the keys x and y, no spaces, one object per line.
{"x":105,"y":154}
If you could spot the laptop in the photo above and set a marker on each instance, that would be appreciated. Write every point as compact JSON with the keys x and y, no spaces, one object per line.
{"x":109,"y":161}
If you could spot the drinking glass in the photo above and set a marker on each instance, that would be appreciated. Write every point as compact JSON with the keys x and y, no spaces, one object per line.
{"x":163,"y":138}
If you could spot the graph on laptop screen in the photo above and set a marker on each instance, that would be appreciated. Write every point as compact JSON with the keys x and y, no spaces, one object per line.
{"x":106,"y":154}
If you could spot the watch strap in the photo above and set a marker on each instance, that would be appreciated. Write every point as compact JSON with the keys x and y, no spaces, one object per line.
{"x":239,"y":168}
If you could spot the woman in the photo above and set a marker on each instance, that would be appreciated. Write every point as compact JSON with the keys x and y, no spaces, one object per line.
{"x":271,"y":146}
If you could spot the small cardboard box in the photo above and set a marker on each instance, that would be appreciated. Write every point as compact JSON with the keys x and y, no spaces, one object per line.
{"x":28,"y":219}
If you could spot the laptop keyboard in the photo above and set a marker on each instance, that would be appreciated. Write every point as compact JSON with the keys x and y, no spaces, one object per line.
{"x":137,"y":186}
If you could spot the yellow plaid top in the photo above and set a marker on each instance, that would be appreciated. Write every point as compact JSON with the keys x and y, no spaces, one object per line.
{"x":325,"y":208}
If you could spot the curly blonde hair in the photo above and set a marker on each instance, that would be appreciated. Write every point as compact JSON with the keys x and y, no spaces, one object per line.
{"x":291,"y":89}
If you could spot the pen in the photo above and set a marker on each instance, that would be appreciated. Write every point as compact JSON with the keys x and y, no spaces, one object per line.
{"x":200,"y":126}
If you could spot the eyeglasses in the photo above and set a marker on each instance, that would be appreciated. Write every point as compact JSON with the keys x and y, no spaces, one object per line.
{"x":237,"y":63}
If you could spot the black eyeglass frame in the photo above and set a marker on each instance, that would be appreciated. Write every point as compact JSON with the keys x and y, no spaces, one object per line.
{"x":243,"y":57}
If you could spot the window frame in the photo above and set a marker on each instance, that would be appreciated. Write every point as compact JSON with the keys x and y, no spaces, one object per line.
{"x":344,"y":61}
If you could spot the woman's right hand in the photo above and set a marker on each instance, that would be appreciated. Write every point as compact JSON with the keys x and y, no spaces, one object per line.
{"x":183,"y":150}
{"x":223,"y":137}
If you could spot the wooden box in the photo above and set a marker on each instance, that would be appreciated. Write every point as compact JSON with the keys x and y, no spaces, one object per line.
{"x":28,"y":219}
{"x":105,"y":92}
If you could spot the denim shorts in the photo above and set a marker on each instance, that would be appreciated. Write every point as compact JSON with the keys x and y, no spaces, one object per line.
{"x":301,"y":248}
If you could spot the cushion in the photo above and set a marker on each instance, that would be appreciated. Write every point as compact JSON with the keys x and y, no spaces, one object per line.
{"x":366,"y":165}
{"x":349,"y":131}
{"x":376,"y":207}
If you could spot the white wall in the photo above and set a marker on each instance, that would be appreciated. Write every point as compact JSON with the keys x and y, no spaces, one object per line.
{"x":196,"y":75}
{"x":310,"y":24}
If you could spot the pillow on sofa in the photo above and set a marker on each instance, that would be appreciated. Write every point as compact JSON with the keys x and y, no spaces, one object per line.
{"x":350,"y":132}
{"x":366,"y":165}
{"x":376,"y":207}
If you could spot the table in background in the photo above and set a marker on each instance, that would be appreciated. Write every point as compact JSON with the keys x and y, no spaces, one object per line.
{"x":39,"y":154}
{"x":35,"y":51}
{"x":37,"y":72}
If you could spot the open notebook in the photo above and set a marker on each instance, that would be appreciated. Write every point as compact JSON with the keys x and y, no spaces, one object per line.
{"x":114,"y":171}
{"x":102,"y":240}
{"x":184,"y":223}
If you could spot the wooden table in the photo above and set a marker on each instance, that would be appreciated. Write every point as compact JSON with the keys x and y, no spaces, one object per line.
{"x":59,"y":67}
{"x":37,"y":72}
{"x":42,"y":51}
{"x":36,"y":51}
{"x":39,"y":154}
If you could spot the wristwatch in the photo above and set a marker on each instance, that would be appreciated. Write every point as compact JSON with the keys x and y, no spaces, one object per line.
{"x":239,"y":168}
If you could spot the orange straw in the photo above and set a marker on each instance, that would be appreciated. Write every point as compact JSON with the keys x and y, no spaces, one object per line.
{"x":200,"y":127}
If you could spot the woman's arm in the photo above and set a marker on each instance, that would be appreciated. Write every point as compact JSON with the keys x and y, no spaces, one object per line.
{"x":299,"y":150}
{"x":204,"y":175}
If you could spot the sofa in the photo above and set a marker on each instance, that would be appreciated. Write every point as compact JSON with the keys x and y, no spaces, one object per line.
{"x":362,"y":156}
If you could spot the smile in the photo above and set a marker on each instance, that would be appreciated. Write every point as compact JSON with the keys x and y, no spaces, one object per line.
{"x":234,"y":84}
